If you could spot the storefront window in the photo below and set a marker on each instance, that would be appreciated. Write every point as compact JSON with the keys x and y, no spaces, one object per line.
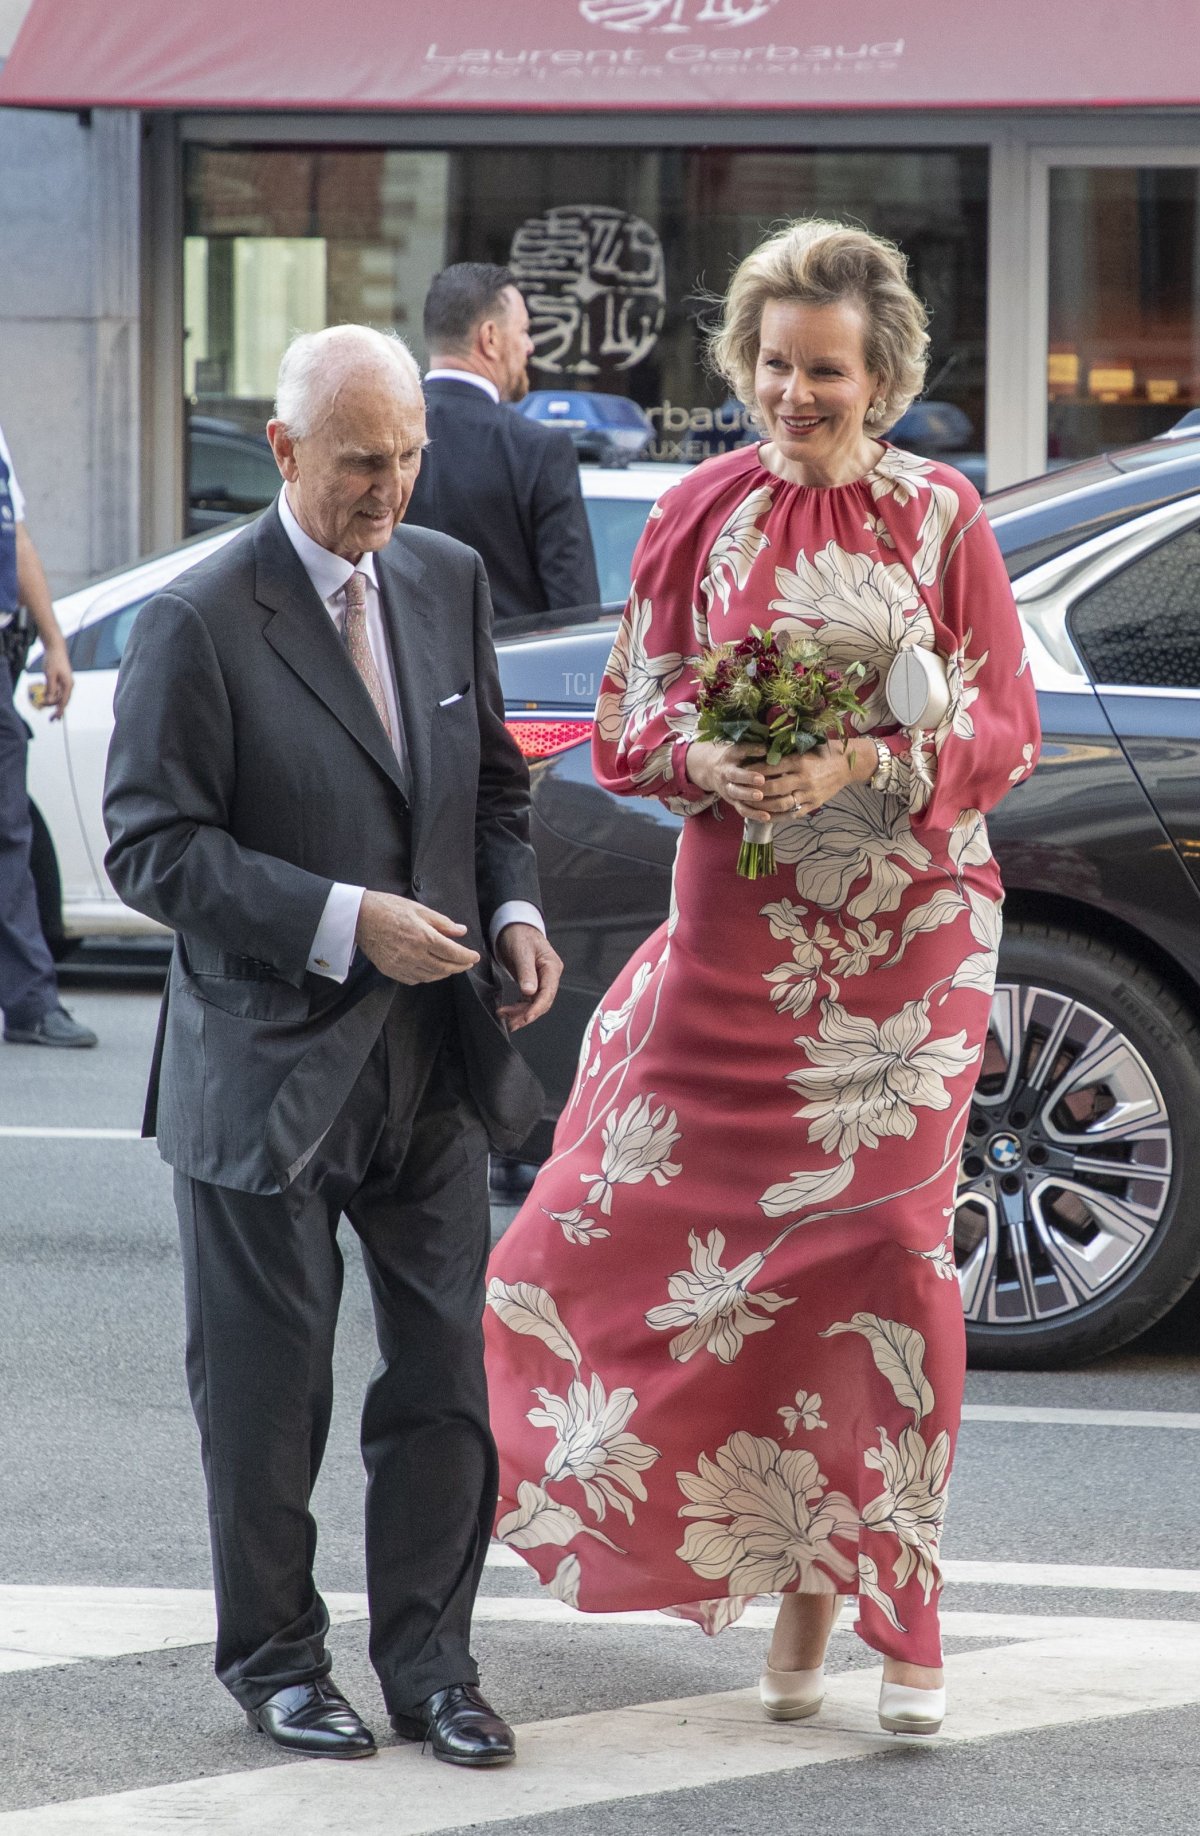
{"x":619,"y":251}
{"x":1124,"y":356}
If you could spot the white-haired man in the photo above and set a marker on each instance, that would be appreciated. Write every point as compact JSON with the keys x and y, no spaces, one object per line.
{"x":310,"y":781}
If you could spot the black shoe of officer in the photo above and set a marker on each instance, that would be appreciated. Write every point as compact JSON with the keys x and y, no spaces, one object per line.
{"x":55,"y":1028}
{"x":314,"y":1719}
{"x":461,"y":1726}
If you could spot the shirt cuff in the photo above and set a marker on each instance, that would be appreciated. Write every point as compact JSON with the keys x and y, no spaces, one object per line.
{"x":514,"y":911}
{"x":333,"y":946}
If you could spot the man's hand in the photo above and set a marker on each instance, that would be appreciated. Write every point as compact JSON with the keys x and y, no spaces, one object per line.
{"x":409,"y":942}
{"x":536,"y":968}
{"x":60,"y":680}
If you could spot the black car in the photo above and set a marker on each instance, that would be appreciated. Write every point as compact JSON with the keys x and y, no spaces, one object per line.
{"x":1078,"y":1219}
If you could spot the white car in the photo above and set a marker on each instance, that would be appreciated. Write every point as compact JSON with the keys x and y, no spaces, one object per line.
{"x":67,"y":760}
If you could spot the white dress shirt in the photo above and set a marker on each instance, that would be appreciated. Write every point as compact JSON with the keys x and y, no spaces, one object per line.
{"x":18,"y":500}
{"x":333,"y":945}
{"x":481,"y":382}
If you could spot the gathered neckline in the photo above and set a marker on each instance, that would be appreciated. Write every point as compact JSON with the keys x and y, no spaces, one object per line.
{"x":851,"y":484}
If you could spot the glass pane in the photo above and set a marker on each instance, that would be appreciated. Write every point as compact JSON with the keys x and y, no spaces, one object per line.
{"x":1141,"y":628}
{"x":1124,"y":357}
{"x":102,"y":645}
{"x":619,"y":251}
{"x":616,"y":524}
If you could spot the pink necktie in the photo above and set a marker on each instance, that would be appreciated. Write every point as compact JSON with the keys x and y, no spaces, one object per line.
{"x":359,"y":647}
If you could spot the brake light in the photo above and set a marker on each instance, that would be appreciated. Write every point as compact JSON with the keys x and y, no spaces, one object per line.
{"x":545,"y":739}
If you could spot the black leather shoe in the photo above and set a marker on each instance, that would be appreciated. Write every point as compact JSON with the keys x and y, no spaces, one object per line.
{"x":461,"y":1726}
{"x":56,"y":1028}
{"x":316,"y":1719}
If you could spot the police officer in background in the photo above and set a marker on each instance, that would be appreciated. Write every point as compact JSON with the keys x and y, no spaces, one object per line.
{"x":33,"y":1014}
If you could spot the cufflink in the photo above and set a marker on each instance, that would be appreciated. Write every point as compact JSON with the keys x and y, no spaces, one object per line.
{"x":321,"y":963}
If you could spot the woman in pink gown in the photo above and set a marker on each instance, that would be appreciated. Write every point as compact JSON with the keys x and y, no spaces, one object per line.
{"x":726,"y":1343}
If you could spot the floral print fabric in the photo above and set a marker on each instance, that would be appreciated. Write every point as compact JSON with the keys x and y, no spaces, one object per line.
{"x":725,"y":1338}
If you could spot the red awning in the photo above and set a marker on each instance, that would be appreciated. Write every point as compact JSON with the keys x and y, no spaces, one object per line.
{"x":603,"y":54}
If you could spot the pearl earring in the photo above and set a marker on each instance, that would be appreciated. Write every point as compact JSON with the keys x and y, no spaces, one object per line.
{"x":877,"y":410}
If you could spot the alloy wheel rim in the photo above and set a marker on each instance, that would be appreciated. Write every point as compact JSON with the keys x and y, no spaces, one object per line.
{"x":1066,"y":1165}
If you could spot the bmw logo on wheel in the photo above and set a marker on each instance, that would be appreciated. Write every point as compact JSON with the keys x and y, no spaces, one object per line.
{"x":1004,"y":1152}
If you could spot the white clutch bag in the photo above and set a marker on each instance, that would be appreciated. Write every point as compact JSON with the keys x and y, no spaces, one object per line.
{"x":917,"y":689}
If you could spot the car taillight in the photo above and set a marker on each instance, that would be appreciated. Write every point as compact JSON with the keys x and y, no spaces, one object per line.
{"x":545,"y":739}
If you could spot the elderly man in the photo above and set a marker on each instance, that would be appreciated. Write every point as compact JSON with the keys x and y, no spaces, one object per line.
{"x":311,"y":782}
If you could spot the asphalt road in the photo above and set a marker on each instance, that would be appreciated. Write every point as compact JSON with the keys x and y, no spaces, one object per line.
{"x":1076,"y":1696}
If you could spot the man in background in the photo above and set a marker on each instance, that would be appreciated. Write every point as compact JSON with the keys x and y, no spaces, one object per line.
{"x":505,"y":485}
{"x":33,"y":1014}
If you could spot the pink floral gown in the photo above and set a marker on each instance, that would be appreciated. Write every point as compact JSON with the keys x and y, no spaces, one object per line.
{"x":725,"y":1337}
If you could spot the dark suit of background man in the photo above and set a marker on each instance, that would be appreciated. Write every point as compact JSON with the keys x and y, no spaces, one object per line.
{"x":507,"y":486}
{"x":311,"y":782}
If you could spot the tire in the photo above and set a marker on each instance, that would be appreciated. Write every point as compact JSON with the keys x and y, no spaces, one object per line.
{"x":46,"y":879}
{"x":1066,"y":1255}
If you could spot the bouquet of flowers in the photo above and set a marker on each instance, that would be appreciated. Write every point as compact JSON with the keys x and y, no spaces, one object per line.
{"x":778,"y":689}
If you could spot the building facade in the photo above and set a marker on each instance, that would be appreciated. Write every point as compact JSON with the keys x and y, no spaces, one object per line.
{"x":156,"y":259}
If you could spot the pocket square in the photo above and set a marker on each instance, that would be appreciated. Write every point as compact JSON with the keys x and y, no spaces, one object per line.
{"x":449,"y":700}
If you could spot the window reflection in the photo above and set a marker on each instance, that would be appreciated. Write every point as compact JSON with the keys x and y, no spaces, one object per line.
{"x":1124,"y":324}
{"x":620,"y":250}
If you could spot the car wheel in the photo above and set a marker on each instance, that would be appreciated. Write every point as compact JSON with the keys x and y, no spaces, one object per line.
{"x":1076,"y":1224}
{"x":44,"y":864}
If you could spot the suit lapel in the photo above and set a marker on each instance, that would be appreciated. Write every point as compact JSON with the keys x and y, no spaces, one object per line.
{"x":303,"y":634}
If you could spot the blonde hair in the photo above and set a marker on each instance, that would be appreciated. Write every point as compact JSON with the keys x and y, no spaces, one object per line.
{"x":819,"y":264}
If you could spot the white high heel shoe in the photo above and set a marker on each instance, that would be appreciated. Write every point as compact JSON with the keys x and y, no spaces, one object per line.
{"x":792,"y":1695}
{"x":904,"y":1710}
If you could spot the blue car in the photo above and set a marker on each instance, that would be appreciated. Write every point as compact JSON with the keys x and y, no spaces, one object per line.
{"x":607,"y":429}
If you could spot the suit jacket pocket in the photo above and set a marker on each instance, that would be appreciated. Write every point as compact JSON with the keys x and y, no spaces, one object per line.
{"x":251,"y":997}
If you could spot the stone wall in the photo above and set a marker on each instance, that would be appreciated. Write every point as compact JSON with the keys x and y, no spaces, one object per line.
{"x":70,"y":333}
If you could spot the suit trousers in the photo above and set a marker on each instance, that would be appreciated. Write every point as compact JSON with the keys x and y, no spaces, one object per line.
{"x":406,"y":1161}
{"x":28,"y":984}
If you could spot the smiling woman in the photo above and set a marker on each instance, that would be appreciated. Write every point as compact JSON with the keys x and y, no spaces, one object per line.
{"x":752,"y":1180}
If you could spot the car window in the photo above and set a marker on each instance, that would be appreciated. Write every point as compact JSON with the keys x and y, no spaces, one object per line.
{"x":616,"y":524}
{"x":239,"y":472}
{"x":1141,"y":627}
{"x":102,"y":645}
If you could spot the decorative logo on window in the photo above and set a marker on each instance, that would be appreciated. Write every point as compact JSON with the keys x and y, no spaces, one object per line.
{"x":672,"y":15}
{"x":594,"y":284}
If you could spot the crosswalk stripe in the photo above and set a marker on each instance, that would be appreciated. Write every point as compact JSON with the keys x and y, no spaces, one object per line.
{"x":1082,"y":1418}
{"x":1108,"y":1579}
{"x":1096,"y":1670}
{"x":45,"y":1626}
{"x":15,"y":1132}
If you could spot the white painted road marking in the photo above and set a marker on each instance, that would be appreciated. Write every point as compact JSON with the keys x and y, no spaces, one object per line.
{"x":13,"y":1132}
{"x":44,"y":1626}
{"x":1068,"y":1672}
{"x":40,"y":1626}
{"x":1081,"y":1418}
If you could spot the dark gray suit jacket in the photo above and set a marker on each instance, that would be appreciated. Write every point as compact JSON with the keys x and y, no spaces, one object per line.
{"x":247,"y":772}
{"x":508,"y":487}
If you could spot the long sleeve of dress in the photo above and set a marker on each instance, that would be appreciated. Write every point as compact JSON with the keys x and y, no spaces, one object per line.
{"x":646,"y":714}
{"x":990,"y":737}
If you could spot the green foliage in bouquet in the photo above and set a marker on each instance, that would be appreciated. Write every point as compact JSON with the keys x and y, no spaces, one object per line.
{"x":777,"y":691}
